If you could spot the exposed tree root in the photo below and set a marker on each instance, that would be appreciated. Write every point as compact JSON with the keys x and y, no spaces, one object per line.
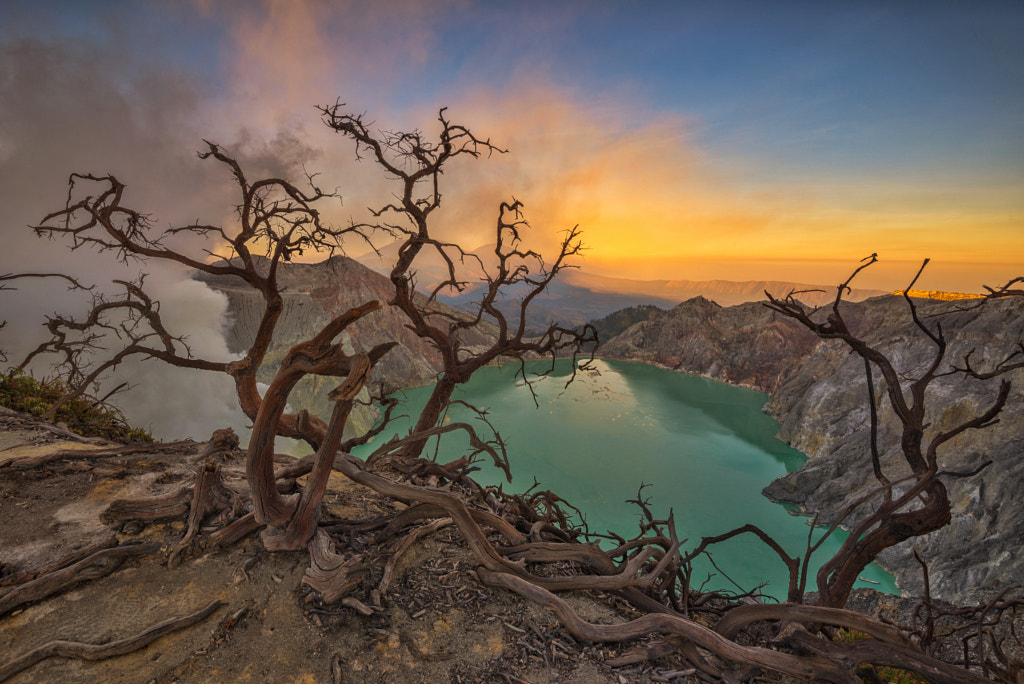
{"x":425,"y":511}
{"x":99,"y":564}
{"x":150,"y":509}
{"x":329,"y":572}
{"x":854,"y":653}
{"x":223,"y":444}
{"x":29,"y":462}
{"x":796,"y":666}
{"x":628,"y":576}
{"x":389,"y":568}
{"x":208,"y":496}
{"x":741,"y":617}
{"x":21,"y":577}
{"x":652,"y":651}
{"x":77,"y":649}
{"x":337,"y":673}
{"x":239,"y":529}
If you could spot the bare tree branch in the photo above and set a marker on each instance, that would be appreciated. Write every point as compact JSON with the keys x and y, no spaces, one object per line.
{"x":924,"y":507}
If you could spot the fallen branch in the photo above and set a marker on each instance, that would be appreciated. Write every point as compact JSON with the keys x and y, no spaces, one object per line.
{"x":29,"y":462}
{"x":77,"y":649}
{"x":99,"y":564}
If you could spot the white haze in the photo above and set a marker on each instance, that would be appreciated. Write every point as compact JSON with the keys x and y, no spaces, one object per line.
{"x":174,"y":403}
{"x":73,"y":107}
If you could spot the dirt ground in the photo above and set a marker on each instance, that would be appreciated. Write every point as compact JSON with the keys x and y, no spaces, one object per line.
{"x":437,"y":623}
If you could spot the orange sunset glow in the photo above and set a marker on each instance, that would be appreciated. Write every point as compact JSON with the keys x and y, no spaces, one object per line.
{"x":686,"y":140}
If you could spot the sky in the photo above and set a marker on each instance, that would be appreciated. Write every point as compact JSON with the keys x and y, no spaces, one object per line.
{"x":688,"y":140}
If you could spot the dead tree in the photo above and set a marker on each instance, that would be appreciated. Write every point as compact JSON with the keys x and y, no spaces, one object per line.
{"x":133,"y":319}
{"x":8,"y":277}
{"x":512,"y":538}
{"x":1013,"y":288}
{"x":910,"y":506}
{"x":417,"y":163}
{"x":276,"y":220}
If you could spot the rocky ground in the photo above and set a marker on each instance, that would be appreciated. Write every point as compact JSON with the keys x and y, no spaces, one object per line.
{"x":86,"y":596}
{"x":437,"y":623}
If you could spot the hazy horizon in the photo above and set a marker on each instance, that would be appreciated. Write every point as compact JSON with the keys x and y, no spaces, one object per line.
{"x":885,"y":275}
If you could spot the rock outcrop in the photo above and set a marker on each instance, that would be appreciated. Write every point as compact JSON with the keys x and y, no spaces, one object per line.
{"x":316,"y":293}
{"x":818,"y":394}
{"x":746,"y":345}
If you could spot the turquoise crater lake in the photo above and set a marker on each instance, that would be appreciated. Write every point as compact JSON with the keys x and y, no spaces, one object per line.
{"x":704,"y":447}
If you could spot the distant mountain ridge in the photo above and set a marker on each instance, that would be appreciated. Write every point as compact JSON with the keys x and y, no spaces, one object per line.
{"x":578,"y":297}
{"x":938,"y":294}
{"x":723,"y":292}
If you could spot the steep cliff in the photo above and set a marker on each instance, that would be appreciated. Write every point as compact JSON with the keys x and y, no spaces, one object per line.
{"x":819,"y":396}
{"x":316,"y":293}
{"x":745,"y":345}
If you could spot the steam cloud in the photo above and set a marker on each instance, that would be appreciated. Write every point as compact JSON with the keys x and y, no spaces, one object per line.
{"x":71,"y":107}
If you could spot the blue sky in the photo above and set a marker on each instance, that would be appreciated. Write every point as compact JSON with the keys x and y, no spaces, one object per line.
{"x":742,"y":140}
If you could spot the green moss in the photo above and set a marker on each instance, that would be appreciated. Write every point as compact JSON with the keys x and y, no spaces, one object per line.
{"x":26,"y":394}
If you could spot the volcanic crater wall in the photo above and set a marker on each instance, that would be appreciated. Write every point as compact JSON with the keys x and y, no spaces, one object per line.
{"x":316,"y":293}
{"x":819,"y":395}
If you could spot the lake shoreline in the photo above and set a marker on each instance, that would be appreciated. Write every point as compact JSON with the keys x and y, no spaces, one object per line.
{"x":689,"y":418}
{"x":797,"y":510}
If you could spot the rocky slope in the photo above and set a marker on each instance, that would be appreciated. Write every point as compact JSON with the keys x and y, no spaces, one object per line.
{"x":745,"y":345}
{"x":818,"y":395}
{"x":316,"y":293}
